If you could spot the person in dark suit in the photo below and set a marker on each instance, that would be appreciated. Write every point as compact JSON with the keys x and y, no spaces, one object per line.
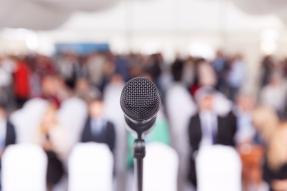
{"x":7,"y":129}
{"x":97,"y":128}
{"x":208,"y":128}
{"x":7,"y":132}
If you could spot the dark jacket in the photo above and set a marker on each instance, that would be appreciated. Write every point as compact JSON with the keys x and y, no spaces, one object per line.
{"x":225,"y":135}
{"x":270,"y":175}
{"x":10,"y":134}
{"x":107,"y":134}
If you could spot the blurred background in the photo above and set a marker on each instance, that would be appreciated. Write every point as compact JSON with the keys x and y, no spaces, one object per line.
{"x":220,"y":67}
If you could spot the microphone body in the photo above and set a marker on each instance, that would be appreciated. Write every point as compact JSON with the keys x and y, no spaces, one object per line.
{"x":140,"y":102}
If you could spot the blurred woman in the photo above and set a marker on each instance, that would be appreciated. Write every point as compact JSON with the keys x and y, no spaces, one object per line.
{"x":274,"y":93}
{"x":275,"y":167}
{"x":265,"y":120}
{"x":47,"y":136}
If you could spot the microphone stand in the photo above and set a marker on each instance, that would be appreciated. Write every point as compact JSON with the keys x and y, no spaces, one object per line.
{"x":139,"y":154}
{"x":139,"y":147}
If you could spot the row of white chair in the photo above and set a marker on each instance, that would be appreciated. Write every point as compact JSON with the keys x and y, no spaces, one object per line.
{"x":90,"y":168}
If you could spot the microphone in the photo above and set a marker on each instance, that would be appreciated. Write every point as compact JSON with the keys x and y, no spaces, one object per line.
{"x":140,"y":102}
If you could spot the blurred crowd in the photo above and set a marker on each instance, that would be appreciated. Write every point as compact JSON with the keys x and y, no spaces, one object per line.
{"x":204,"y":102}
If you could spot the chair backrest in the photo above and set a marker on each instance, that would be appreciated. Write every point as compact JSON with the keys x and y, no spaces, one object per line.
{"x":24,"y":167}
{"x":160,"y":168}
{"x":113,"y":112}
{"x":218,"y":168}
{"x":90,"y":168}
{"x":72,"y":116}
{"x":179,"y":113}
{"x":27,"y":119}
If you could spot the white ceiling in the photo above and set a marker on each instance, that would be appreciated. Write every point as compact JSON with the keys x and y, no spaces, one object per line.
{"x":184,"y":14}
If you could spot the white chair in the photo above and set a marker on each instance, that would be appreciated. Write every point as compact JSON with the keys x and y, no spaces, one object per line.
{"x":72,"y":116}
{"x":160,"y":168}
{"x":90,"y":168}
{"x":27,"y":119}
{"x":114,"y":113}
{"x":218,"y":168}
{"x":24,"y":167}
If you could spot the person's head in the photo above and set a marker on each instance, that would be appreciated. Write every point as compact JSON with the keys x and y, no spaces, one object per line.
{"x":219,"y":54}
{"x":117,"y":79}
{"x":96,"y":108}
{"x":265,"y":120}
{"x":205,"y":98}
{"x":245,"y":102}
{"x":277,"y":152}
{"x":82,"y":85}
{"x":50,"y":85}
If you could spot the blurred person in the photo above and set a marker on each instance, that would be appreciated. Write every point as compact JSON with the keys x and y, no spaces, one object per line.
{"x":7,"y":66}
{"x":121,"y":66}
{"x":7,"y":132}
{"x":274,"y":93}
{"x":97,"y":127}
{"x":84,"y":90}
{"x":196,"y":78}
{"x":7,"y":129}
{"x":69,"y":68}
{"x":265,"y":120}
{"x":21,"y":79}
{"x":207,"y":128}
{"x":108,"y":72}
{"x":206,"y":74}
{"x":50,"y":89}
{"x":222,"y":105}
{"x":245,"y":105}
{"x":40,"y":66}
{"x":275,"y":166}
{"x":267,"y":68}
{"x":236,"y":76}
{"x":95,"y":64}
{"x":52,"y":140}
{"x":154,"y":67}
{"x":188,"y":72}
{"x":219,"y":64}
{"x":249,"y":144}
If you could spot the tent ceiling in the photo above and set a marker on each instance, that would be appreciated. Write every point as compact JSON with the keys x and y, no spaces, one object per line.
{"x":50,"y":14}
{"x":45,"y":14}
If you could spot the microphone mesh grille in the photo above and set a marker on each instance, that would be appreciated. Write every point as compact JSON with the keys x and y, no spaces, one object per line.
{"x":140,"y":99}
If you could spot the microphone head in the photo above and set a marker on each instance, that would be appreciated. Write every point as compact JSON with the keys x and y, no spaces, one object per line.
{"x":140,"y":100}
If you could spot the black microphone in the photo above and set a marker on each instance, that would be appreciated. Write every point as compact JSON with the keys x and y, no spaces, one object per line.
{"x":140,"y":102}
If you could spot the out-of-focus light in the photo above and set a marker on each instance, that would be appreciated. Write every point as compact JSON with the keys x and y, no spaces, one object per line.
{"x":151,"y":47}
{"x":201,"y":49}
{"x":20,"y":40}
{"x":269,"y":41}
